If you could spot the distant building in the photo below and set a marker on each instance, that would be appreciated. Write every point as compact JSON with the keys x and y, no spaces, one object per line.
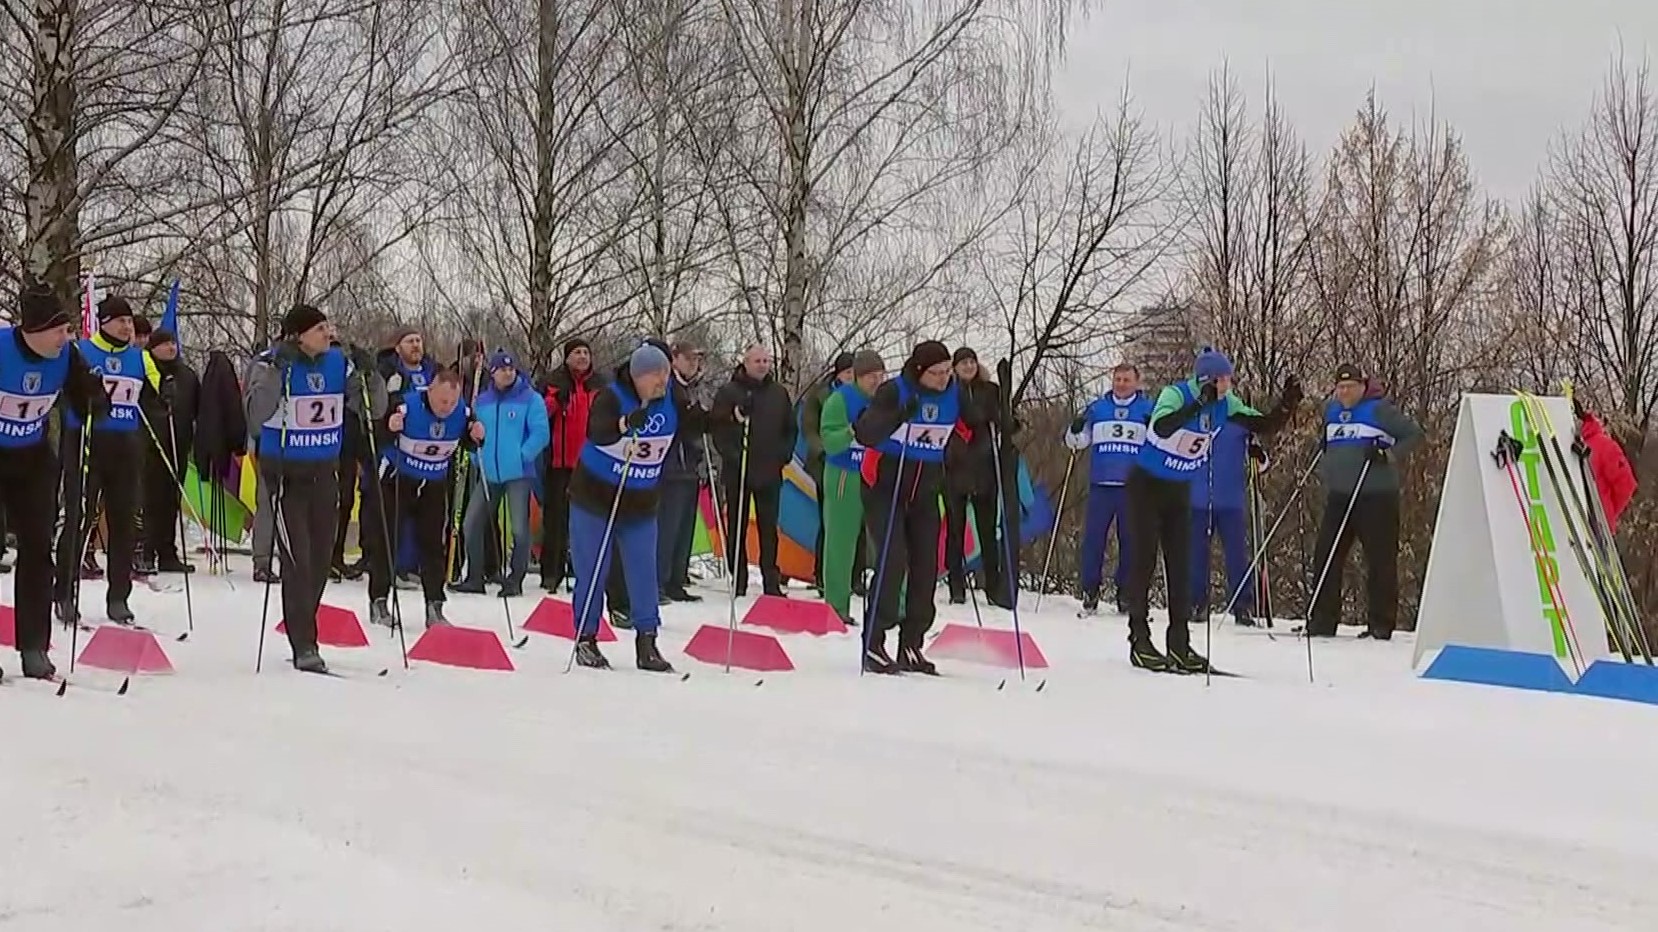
{"x":1158,"y":338}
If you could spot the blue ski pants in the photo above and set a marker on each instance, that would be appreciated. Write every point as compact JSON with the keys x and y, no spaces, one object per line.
{"x":634,"y":541}
{"x":1230,"y":525}
{"x":1107,"y":506}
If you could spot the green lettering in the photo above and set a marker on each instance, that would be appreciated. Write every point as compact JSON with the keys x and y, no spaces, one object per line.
{"x":1544,"y":563}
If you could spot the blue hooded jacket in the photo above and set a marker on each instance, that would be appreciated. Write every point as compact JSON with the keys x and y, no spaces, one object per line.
{"x":1229,"y":456}
{"x":515,"y":430}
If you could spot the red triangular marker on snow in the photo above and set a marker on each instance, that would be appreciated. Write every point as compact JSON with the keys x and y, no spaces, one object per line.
{"x":336,"y":627}
{"x":748,"y":650}
{"x":794,"y":616}
{"x":125,"y":650}
{"x":558,"y":618}
{"x":996,"y":647}
{"x":8,"y":626}
{"x":455,"y":646}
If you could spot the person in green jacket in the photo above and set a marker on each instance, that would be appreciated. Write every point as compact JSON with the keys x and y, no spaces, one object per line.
{"x":842,"y":488}
{"x":838,"y":373}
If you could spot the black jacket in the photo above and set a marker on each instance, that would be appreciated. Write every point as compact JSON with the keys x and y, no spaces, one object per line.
{"x":970,"y":465}
{"x":686,"y":461}
{"x":221,"y":424}
{"x":604,"y":428}
{"x":771,"y":427}
{"x":180,"y":383}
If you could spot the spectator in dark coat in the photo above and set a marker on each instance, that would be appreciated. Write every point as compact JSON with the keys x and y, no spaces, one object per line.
{"x":568,"y":394}
{"x":754,"y":432}
{"x":683,"y":474}
{"x":970,"y":479}
{"x":171,"y":412}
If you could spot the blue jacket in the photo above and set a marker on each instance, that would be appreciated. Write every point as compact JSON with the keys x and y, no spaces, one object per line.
{"x":1229,"y":456}
{"x":515,"y":431}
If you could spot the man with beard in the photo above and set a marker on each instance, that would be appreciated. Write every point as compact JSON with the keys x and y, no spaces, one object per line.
{"x":568,"y":396}
{"x":754,"y":431}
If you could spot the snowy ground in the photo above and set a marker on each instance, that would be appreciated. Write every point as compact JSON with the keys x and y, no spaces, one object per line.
{"x":438,"y":799}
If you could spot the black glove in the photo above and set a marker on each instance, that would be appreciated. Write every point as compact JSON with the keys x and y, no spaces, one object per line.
{"x":1290,"y":396}
{"x":1078,"y":425}
{"x":1378,"y":451}
{"x":168,"y":390}
{"x":1577,"y":408}
{"x":1207,"y":393}
{"x":1580,"y":448}
{"x":286,"y":353}
{"x":361,"y":358}
{"x":745,"y":404}
{"x":636,"y":420}
{"x":1257,"y":453}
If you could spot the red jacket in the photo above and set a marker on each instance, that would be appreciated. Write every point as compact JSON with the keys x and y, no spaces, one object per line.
{"x":1614,"y":477}
{"x":569,"y":398}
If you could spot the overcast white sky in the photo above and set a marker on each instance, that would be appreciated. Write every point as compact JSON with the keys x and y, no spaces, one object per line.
{"x":1510,"y":75}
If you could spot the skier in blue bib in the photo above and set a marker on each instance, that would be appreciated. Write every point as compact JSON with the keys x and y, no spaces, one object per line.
{"x":421,"y":436}
{"x":1111,"y":430}
{"x":905,"y":430}
{"x":1220,"y":508}
{"x":116,"y":449}
{"x":39,"y":364}
{"x":1176,"y":452}
{"x":614,"y":496}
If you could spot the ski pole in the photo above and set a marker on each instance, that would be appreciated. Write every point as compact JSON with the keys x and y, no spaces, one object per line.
{"x":1330,"y":559}
{"x":719,"y":516}
{"x":1507,"y":454}
{"x":183,"y":541}
{"x":739,"y":517}
{"x":1010,"y":576}
{"x":1053,"y":537}
{"x":375,"y":486}
{"x":872,"y":602}
{"x":594,"y":583}
{"x":278,"y":526}
{"x":73,"y":616}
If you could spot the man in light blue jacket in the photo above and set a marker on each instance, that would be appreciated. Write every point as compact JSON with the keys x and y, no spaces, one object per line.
{"x":515,"y":435}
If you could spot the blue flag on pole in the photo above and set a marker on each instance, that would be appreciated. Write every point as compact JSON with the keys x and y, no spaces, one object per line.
{"x":169,"y":317}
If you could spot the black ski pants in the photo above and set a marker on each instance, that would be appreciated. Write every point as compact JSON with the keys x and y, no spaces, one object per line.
{"x":1159,"y":521}
{"x":110,"y":482}
{"x":1375,"y":525}
{"x":354,"y":475}
{"x":992,"y":558}
{"x":911,"y":563}
{"x":555,"y":528}
{"x":161,"y":500}
{"x":426,"y":503}
{"x":767,"y":499}
{"x":28,"y":489}
{"x":307,"y":503}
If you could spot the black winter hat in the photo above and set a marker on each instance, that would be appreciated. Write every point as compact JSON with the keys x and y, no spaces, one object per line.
{"x":141,"y":326}
{"x":39,"y":309}
{"x":576,"y":343}
{"x":1347,"y":372}
{"x":966,"y":352}
{"x":161,"y":337}
{"x":300,"y":319}
{"x":842,"y":363}
{"x":926,"y":355}
{"x":113,"y":307}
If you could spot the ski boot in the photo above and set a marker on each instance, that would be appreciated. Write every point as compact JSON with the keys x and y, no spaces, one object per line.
{"x":512,"y":588}
{"x":434,"y":615}
{"x":647,"y":657}
{"x":1142,"y":653}
{"x":68,"y":611}
{"x":910,"y":659}
{"x":266,"y":575}
{"x":143,"y":565}
{"x":36,"y":665}
{"x":1243,"y":619}
{"x":1181,"y":657}
{"x":876,"y":658}
{"x":172,"y":564}
{"x":379,"y":613}
{"x":958,"y":594}
{"x":588,"y":655}
{"x":336,"y":573}
{"x":681,"y":595}
{"x":1090,"y":603}
{"x":407,"y":581}
{"x":621,"y":618}
{"x":90,"y":568}
{"x":116,"y":610}
{"x":468,"y":587}
{"x":309,"y":660}
{"x":355,"y":571}
{"x":1375,"y":634}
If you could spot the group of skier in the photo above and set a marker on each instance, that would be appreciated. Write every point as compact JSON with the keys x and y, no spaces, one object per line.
{"x":331,"y":423}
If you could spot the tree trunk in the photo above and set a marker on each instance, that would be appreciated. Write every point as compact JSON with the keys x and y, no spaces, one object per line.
{"x":51,"y":243}
{"x":797,"y":23}
{"x":540,"y":335}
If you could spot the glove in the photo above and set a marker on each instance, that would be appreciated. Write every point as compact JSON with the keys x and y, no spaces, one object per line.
{"x":287,"y":353}
{"x":1578,"y":410}
{"x":394,"y":382}
{"x":1257,"y":453}
{"x":911,"y":409}
{"x":1078,"y":425}
{"x":1207,"y":393}
{"x":745,"y":405}
{"x":636,"y":421}
{"x":1580,"y":448}
{"x":1377,"y":454}
{"x":361,"y":358}
{"x":168,"y":391}
{"x":1291,"y":395}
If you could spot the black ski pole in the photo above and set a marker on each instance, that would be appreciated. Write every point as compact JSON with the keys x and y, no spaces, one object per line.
{"x":872,"y":602}
{"x":1329,"y":561}
{"x":277,"y":524}
{"x":374,"y":487}
{"x":1010,"y":566}
{"x":596,"y":582}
